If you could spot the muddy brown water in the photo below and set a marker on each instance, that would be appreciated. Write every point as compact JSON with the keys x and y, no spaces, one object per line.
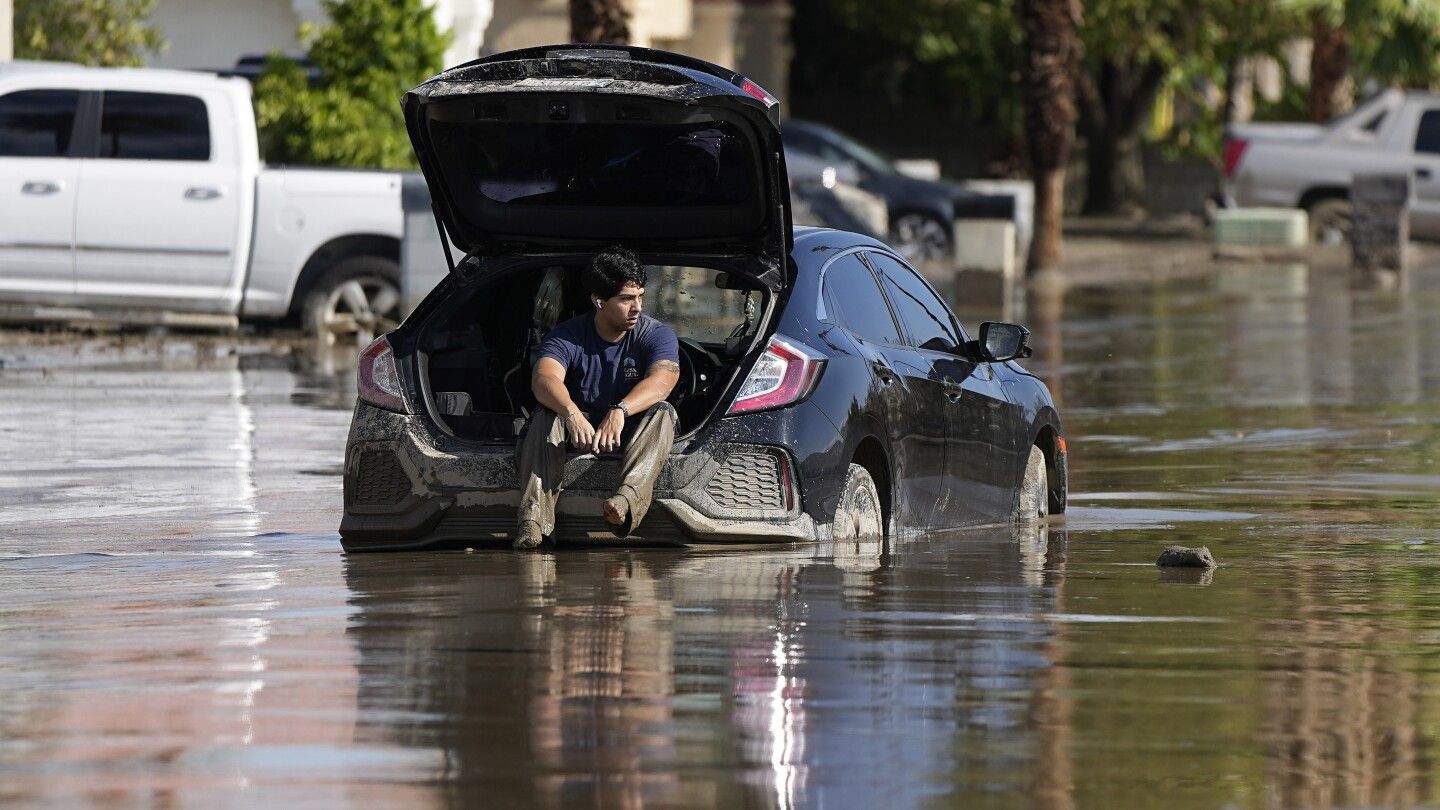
{"x":178,"y":625}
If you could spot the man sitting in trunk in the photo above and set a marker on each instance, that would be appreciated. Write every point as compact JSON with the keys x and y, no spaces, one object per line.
{"x":601,"y":382}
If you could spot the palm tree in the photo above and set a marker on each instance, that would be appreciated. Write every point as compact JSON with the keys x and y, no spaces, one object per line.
{"x":599,"y":21}
{"x":1052,"y":58}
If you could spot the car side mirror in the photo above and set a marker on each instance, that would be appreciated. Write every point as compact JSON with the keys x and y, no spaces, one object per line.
{"x":1003,"y":341}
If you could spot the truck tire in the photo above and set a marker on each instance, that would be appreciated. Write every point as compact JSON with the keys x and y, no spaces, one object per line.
{"x":1330,"y":221}
{"x":354,"y":301}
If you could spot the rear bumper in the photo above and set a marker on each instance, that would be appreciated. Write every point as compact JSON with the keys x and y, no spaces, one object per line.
{"x":408,"y":488}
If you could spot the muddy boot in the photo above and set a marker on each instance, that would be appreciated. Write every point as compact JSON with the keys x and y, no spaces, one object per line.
{"x":528,"y":536}
{"x":646,"y":450}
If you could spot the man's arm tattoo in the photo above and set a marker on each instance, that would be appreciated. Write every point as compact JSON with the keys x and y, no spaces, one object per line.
{"x":665,"y":365}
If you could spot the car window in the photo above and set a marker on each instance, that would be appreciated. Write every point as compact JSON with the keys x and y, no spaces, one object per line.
{"x":688,"y":300}
{"x":154,"y":126}
{"x":37,"y":123}
{"x":925,"y":316}
{"x":851,"y":292}
{"x":1427,"y":137}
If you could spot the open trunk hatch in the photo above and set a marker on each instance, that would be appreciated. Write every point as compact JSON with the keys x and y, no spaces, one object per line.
{"x":576,"y":148}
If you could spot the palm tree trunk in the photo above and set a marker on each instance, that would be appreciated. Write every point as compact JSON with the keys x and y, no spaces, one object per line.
{"x":1052,"y":56}
{"x":1329,"y":65}
{"x":599,"y":21}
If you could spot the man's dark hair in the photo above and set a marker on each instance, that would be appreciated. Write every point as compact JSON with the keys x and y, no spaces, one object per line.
{"x":611,"y":269}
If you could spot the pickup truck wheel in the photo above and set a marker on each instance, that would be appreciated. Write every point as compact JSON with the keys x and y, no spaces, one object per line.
{"x":921,"y":238}
{"x":1330,"y":221}
{"x":355,"y":301}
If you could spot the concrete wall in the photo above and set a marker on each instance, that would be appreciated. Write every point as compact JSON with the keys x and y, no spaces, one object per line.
{"x":7,"y":35}
{"x":214,"y":33}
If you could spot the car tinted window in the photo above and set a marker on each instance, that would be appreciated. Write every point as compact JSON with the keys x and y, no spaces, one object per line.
{"x":154,"y":126}
{"x":1427,"y":137}
{"x":924,"y":315}
{"x":851,"y":292}
{"x":37,"y":123}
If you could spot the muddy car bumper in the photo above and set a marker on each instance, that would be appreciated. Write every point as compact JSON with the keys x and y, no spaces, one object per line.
{"x":410,"y":487}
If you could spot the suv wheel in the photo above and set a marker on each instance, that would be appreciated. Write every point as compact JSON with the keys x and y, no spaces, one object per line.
{"x":354,"y":301}
{"x":1034,"y":502}
{"x":859,"y":515}
{"x":921,"y":238}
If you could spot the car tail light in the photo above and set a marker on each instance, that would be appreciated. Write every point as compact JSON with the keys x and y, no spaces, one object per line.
{"x":784,"y":375}
{"x":377,"y":379}
{"x":1234,"y":150}
{"x":758,"y":92}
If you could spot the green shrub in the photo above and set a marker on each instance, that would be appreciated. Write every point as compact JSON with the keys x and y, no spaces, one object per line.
{"x":370,"y":53}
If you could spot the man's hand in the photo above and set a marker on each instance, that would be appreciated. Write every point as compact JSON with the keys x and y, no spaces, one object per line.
{"x":579,"y":429}
{"x":607,"y":437}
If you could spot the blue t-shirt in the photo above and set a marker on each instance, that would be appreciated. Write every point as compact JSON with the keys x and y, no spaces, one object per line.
{"x":598,"y":373}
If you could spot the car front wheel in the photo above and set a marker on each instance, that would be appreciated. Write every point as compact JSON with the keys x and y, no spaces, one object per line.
{"x":1034,"y":502}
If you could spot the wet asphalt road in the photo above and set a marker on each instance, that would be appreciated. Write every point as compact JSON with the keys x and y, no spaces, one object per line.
{"x":179,"y":628}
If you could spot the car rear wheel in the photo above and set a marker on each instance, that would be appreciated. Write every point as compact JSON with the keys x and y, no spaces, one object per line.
{"x":1034,"y":502}
{"x":1330,"y":221}
{"x":859,"y":516}
{"x":921,"y":238}
{"x":354,"y":301}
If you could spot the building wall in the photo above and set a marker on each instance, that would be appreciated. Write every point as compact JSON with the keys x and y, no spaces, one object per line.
{"x":214,"y":33}
{"x":7,"y":31}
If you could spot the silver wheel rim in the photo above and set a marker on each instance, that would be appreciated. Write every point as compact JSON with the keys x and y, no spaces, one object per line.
{"x":360,"y":309}
{"x":920,"y":238}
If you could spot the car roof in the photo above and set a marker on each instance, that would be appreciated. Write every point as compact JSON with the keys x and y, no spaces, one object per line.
{"x":810,"y":238}
{"x":116,"y":75}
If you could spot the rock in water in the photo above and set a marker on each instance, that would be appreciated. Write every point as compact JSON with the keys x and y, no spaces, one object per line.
{"x":1182,"y":557}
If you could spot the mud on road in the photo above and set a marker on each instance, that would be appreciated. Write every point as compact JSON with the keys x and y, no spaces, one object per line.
{"x":180,"y":627}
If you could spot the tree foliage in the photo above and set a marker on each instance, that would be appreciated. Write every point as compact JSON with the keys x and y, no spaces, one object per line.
{"x":368,"y":56}
{"x":104,"y":33}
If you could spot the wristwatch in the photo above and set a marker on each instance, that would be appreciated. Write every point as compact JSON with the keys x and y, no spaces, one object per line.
{"x":625,"y":409}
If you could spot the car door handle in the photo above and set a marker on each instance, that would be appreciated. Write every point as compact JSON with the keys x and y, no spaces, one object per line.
{"x":883,"y":371}
{"x":1422,"y":172}
{"x":40,"y":187}
{"x":203,"y":193}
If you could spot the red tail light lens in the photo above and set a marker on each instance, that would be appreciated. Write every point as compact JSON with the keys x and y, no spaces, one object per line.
{"x":1234,"y":150}
{"x":758,"y":92}
{"x":784,"y":375}
{"x":377,"y":379}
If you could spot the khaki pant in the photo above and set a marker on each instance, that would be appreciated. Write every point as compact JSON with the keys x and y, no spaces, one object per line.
{"x":645,"y":444}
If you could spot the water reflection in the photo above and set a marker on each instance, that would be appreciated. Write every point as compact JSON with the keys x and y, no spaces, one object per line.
{"x":769,"y":678}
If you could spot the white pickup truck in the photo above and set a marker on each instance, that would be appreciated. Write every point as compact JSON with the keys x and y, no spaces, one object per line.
{"x":141,"y":191}
{"x":1310,"y":166}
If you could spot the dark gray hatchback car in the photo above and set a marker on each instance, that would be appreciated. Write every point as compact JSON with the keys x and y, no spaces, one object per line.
{"x":826,"y":390}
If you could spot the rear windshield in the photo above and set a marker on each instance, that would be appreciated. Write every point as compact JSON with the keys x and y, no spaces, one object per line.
{"x":597,"y":164}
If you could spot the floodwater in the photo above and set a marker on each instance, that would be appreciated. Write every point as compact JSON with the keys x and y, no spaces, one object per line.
{"x":179,"y":628}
